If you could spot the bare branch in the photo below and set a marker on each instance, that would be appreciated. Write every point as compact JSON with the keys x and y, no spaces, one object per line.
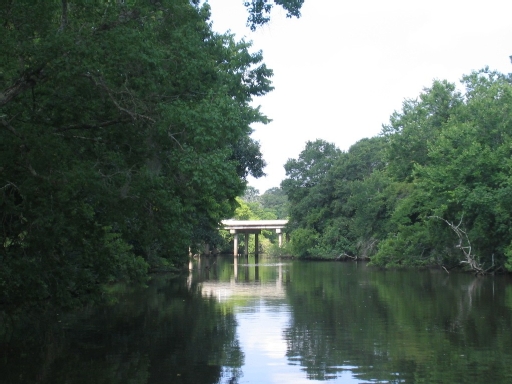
{"x":34,"y":173}
{"x":81,"y":137}
{"x":91,"y":126}
{"x":28,"y":80}
{"x":174,"y":138}
{"x":466,"y":249}
{"x":24,"y":150}
{"x":64,"y":16}
{"x":10,"y":184}
{"x":10,"y":128}
{"x":101,"y":84}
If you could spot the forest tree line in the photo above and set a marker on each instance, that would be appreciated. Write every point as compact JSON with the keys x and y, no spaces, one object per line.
{"x":124,"y":139}
{"x":433,"y":189}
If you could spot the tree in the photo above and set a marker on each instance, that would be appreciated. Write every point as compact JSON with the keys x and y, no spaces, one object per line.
{"x":251,"y":195}
{"x":309,"y":169}
{"x":259,"y":10}
{"x":457,"y":192}
{"x":360,"y":201}
{"x":275,"y":199}
{"x":308,"y":192}
{"x":433,"y":189}
{"x":419,"y":123}
{"x":124,"y":134}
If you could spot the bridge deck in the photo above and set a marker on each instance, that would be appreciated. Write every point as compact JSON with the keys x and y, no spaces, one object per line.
{"x":254,"y":224}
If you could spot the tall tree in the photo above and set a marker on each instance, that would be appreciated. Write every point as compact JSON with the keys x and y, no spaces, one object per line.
{"x":124,"y":134}
{"x":309,"y":193}
{"x":419,"y":122}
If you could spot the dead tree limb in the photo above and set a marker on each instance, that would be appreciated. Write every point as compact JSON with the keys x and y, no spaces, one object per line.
{"x":464,"y":245}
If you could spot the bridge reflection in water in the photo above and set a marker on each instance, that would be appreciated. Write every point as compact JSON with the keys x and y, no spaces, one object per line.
{"x":228,"y":278}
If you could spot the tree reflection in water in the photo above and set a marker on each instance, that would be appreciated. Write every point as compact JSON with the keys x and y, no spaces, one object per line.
{"x":167,"y":333}
{"x":400,"y":326}
{"x":275,"y":322}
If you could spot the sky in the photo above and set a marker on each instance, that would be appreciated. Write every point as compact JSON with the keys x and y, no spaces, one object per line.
{"x":344,"y":67}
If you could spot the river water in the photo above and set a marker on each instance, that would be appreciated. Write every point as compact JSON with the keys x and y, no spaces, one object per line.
{"x":273,"y":321}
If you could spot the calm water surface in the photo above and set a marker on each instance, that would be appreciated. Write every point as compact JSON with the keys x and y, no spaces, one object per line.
{"x":271,"y":321}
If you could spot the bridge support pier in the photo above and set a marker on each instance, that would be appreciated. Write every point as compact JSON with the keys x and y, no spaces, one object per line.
{"x":280,"y":237}
{"x":235,"y":244}
{"x":255,"y":227}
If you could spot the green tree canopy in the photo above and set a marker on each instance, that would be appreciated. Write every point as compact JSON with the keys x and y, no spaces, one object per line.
{"x":124,"y":139}
{"x":432,"y":189}
{"x":276,"y":200}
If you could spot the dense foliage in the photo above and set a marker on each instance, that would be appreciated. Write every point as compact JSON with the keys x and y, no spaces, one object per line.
{"x":124,"y":140}
{"x":272,"y":205}
{"x":433,"y":189}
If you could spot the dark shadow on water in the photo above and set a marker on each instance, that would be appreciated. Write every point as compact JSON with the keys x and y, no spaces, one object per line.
{"x":167,"y":333}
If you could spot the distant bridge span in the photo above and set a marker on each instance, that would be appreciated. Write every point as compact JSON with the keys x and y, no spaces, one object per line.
{"x":253,"y":226}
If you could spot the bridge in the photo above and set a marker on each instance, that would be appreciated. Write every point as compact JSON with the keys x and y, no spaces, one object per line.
{"x":253,"y":227}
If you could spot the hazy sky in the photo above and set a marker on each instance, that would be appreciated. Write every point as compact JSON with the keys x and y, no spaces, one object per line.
{"x":343,"y":68}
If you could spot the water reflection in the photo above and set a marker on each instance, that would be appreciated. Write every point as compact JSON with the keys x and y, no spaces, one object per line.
{"x":167,"y":333}
{"x":250,"y":320}
{"x":399,"y":326}
{"x":256,"y":292}
{"x":244,"y":278}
